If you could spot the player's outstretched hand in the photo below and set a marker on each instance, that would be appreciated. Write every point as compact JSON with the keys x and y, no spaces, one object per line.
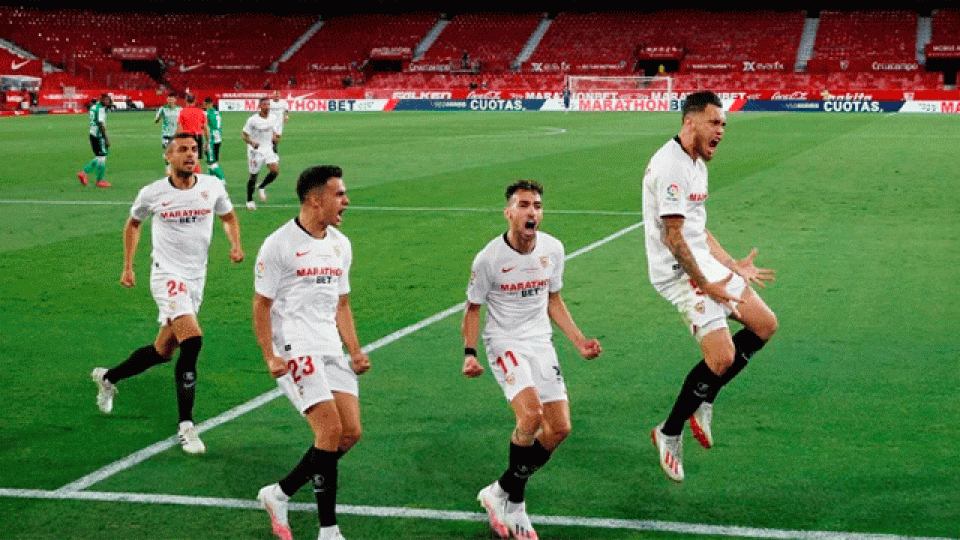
{"x":360,"y":363}
{"x":717,"y":290}
{"x":751,"y":273}
{"x":128,"y":279}
{"x":236,"y":254}
{"x":472,"y":367}
{"x":589,"y":348}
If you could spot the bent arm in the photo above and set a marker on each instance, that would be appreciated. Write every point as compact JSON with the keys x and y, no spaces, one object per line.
{"x":131,"y":239}
{"x":231,"y":226}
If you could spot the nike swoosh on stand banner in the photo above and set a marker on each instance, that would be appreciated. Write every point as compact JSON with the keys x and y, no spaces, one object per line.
{"x":14,"y":65}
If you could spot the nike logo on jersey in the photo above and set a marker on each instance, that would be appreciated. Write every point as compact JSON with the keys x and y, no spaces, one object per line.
{"x":165,"y":204}
{"x":507,"y":269}
{"x":302,"y":253}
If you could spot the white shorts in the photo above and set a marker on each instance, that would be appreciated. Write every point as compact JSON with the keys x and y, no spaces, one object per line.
{"x":521,"y":364}
{"x":257,"y":158}
{"x":313,"y":378}
{"x":701,"y":313}
{"x":175,"y":296}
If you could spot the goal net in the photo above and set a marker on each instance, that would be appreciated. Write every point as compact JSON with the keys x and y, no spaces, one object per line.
{"x":626,"y":87}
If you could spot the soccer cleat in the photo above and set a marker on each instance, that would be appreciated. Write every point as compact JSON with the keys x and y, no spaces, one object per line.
{"x":518,"y":523}
{"x":272,"y":500}
{"x":263,"y":194}
{"x":670,"y":449}
{"x":330,"y":533}
{"x":189,"y":439}
{"x":105,"y":389}
{"x":251,"y":205}
{"x":496,"y":507}
{"x":700,"y":423}
{"x":102,"y":184}
{"x":83,"y":178}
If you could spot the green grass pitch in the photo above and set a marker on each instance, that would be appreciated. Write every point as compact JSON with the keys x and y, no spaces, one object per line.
{"x":846,"y":423}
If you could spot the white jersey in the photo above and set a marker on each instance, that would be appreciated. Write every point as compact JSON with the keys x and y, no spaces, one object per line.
{"x":182,"y":222}
{"x":675,"y":184}
{"x":515,"y":287}
{"x":260,"y":130}
{"x":305,"y":277}
{"x":278,"y":110}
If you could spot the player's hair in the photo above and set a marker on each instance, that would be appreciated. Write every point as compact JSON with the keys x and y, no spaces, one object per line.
{"x":523,"y":185}
{"x":698,"y":102}
{"x":208,"y":99}
{"x":182,"y":135}
{"x":316,"y":177}
{"x":191,"y":98}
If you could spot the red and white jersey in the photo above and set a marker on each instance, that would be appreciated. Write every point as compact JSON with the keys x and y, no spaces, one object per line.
{"x":260,"y":129}
{"x":516,"y":286}
{"x":182,"y":222}
{"x":675,"y":184}
{"x":305,"y":277}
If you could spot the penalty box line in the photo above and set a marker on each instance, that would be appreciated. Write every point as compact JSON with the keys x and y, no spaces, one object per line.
{"x":146,"y":453}
{"x":457,"y":515}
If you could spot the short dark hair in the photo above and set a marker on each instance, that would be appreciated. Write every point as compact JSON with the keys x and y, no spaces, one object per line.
{"x":523,"y":185}
{"x":183,"y":135}
{"x":314,"y":177}
{"x":208,"y":100}
{"x":698,"y":102}
{"x":191,"y":98}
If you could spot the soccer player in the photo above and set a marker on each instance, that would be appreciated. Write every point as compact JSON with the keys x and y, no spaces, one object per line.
{"x":182,"y":206}
{"x":167,"y":116}
{"x":259,"y":133}
{"x":518,"y":275}
{"x":280,"y":114}
{"x":302,"y":320}
{"x":215,"y":128}
{"x":193,"y":121}
{"x":690,"y":269}
{"x":99,"y":142}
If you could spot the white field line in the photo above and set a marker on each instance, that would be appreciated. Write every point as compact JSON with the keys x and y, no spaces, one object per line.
{"x":454,"y":515}
{"x":362,"y":208}
{"x":161,"y":446}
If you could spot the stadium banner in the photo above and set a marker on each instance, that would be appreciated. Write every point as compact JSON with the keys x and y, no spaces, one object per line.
{"x":827,"y":106}
{"x":317,"y":105}
{"x":476,"y":104}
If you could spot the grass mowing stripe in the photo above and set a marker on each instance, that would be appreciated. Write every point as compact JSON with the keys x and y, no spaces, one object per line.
{"x":146,"y":453}
{"x":453,"y":515}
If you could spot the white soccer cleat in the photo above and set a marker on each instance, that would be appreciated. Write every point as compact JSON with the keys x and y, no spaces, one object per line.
{"x":189,"y":440}
{"x":700,"y":423}
{"x":275,"y":502}
{"x":263,"y":194}
{"x":251,"y":205}
{"x":105,"y":389}
{"x":670,"y":450}
{"x":518,"y":523}
{"x":330,"y":533}
{"x":496,"y":507}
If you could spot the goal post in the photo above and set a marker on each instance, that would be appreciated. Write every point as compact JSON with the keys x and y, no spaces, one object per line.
{"x":620,"y":87}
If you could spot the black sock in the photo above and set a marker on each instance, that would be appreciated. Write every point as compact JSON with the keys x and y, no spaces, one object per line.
{"x":700,"y":383}
{"x":524,"y":461}
{"x":268,"y":179}
{"x":186,"y":376}
{"x":324,"y":480}
{"x":251,"y":187}
{"x":745,"y":344}
{"x":139,"y":361}
{"x":302,"y":473}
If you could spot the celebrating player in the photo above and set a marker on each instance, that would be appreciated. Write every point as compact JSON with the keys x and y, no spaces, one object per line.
{"x":518,"y":275}
{"x":690,"y":269}
{"x":259,"y":132}
{"x":301,"y":312}
{"x":182,"y":206}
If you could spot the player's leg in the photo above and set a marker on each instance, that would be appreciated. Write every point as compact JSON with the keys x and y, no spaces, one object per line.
{"x":348,"y":406}
{"x":139,"y":361}
{"x":324,"y":419}
{"x":274,"y":171}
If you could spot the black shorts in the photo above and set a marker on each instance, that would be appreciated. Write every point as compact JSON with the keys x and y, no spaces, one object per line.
{"x":99,"y":145}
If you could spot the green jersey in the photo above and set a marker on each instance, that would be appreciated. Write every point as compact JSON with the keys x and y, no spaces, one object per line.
{"x":215,"y":122}
{"x":168,"y":116}
{"x":98,"y":116}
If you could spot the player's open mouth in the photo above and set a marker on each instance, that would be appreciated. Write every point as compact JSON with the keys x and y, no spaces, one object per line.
{"x":714,"y":143}
{"x":530,"y":225}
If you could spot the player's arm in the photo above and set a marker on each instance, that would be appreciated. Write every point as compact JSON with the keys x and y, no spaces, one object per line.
{"x":231,"y":226}
{"x":131,"y":239}
{"x":744,"y":267}
{"x":263,"y":332}
{"x":359,"y":360}
{"x":246,"y":138}
{"x":673,"y":238}
{"x":470,"y":329}
{"x":560,"y":315}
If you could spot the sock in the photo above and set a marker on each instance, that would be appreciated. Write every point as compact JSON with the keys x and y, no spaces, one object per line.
{"x":139,"y":361}
{"x":700,"y":383}
{"x":302,"y":473}
{"x":251,"y":186}
{"x":324,"y":480}
{"x":268,"y":179}
{"x":746,"y":344}
{"x":524,"y":461}
{"x":101,"y":168}
{"x":186,"y":376}
{"x":88,"y":168}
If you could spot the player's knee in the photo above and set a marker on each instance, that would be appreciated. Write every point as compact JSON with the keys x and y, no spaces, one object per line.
{"x":769,"y":327}
{"x":350,"y":437}
{"x":561,"y":431}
